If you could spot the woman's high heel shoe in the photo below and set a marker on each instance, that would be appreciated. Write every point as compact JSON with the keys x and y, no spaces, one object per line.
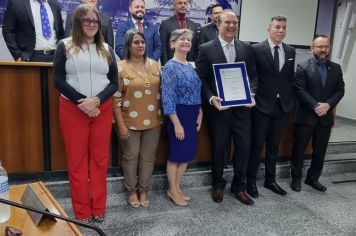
{"x":178,"y":202}
{"x":185,"y":197}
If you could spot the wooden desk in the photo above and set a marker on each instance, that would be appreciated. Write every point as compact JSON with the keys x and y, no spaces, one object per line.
{"x":21,"y":220}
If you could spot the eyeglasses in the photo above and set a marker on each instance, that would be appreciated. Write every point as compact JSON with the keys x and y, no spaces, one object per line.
{"x":88,"y":22}
{"x":321,"y":46}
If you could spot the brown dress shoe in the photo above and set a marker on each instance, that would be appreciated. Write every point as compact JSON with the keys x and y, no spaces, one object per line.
{"x":218,"y":195}
{"x":244,"y":198}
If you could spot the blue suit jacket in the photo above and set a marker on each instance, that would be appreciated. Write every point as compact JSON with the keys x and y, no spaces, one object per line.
{"x":153,"y":43}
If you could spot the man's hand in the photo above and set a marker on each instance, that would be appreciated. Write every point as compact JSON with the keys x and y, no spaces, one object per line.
{"x":322,"y":109}
{"x":253,"y":101}
{"x":216,"y":101}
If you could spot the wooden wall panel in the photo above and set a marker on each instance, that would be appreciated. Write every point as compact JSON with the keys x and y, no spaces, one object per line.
{"x":20,"y":121}
{"x":21,"y":139}
{"x":59,"y":161}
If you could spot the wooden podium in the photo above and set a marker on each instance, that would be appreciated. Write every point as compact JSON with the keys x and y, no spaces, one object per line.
{"x":21,"y":220}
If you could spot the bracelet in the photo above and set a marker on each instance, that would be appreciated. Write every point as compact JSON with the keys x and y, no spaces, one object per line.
{"x":97,"y":101}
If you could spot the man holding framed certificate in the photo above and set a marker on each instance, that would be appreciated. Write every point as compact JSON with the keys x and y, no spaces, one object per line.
{"x":228,"y":120}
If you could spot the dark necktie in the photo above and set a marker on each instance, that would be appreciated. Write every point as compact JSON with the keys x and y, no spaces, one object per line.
{"x":183,"y":25}
{"x":46,"y":27}
{"x":276,"y":58}
{"x":323,"y":73}
{"x":139,"y":26}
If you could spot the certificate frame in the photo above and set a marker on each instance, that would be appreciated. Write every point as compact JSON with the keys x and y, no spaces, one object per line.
{"x":218,"y":69}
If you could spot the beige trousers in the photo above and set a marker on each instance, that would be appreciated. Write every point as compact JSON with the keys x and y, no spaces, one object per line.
{"x":139,"y":155}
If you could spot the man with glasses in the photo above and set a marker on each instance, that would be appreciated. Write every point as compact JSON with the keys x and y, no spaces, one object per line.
{"x":32,"y":28}
{"x":319,"y":87}
{"x":105,"y":24}
{"x":210,"y":31}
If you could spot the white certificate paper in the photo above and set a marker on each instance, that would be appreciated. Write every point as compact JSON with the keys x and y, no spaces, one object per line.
{"x":232,"y":84}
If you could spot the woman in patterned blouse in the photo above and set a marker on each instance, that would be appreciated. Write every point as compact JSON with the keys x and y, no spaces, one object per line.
{"x":137,"y":110}
{"x":181,"y":104}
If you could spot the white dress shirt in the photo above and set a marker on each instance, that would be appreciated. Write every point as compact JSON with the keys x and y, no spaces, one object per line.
{"x":41,"y":42}
{"x":280,"y":53}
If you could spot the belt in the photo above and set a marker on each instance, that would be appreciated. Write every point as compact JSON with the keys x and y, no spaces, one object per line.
{"x":44,"y":52}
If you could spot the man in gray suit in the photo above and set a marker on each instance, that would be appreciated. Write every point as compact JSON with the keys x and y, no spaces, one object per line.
{"x":274,"y":103}
{"x":105,"y":23}
{"x":178,"y":21}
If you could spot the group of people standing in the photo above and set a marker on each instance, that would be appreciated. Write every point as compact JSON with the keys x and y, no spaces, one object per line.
{"x":95,"y":88}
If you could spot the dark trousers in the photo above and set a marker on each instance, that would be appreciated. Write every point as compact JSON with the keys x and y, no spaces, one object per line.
{"x":237,"y":126}
{"x":40,"y":57}
{"x":266,"y":128}
{"x":302,"y":135}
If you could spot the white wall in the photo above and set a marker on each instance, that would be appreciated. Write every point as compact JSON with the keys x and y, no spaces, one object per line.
{"x":347,"y":106}
{"x":301,"y":17}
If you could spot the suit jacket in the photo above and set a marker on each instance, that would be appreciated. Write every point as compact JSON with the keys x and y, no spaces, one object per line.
{"x":310,"y":91}
{"x":106,"y":28}
{"x":153,"y":43}
{"x":167,"y":27}
{"x":19,"y":28}
{"x":208,"y":33}
{"x":212,"y":53}
{"x":271,"y":81}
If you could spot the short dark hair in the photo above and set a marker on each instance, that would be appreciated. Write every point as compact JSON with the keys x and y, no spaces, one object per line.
{"x":278,"y":18}
{"x":135,"y":0}
{"x":212,"y":6}
{"x":320,"y":36}
{"x":128,"y":42}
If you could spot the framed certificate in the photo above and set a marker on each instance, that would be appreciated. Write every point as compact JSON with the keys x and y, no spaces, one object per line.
{"x":232,"y":84}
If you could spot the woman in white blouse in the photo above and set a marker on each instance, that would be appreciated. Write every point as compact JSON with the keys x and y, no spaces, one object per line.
{"x":85,"y":73}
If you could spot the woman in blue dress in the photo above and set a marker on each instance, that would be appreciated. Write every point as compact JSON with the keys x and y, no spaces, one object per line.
{"x":181,"y":104}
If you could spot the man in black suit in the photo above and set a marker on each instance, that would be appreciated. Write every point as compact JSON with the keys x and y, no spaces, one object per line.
{"x":210,"y":31}
{"x":105,"y":24}
{"x":177,"y":21}
{"x":232,"y":122}
{"x":274,"y":103}
{"x":319,"y":87}
{"x":22,"y":29}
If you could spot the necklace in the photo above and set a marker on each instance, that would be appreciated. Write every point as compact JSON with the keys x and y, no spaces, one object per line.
{"x":143,"y":74}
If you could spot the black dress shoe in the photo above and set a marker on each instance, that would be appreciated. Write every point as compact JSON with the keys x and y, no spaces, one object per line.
{"x":316,"y":185}
{"x":218,"y":195}
{"x":251,"y":189}
{"x":296,"y":185}
{"x":243,"y":198}
{"x":275,"y":188}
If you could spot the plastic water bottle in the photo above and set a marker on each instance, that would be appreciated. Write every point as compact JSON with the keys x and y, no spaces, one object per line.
{"x":4,"y":194}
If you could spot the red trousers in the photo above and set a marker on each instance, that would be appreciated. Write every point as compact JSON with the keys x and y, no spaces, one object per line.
{"x":87,"y":142}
